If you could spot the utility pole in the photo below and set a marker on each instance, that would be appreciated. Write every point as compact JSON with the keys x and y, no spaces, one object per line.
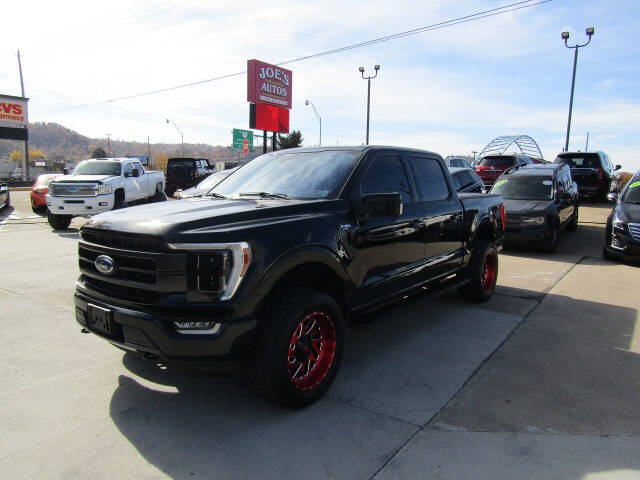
{"x":586,"y":147}
{"x":109,"y":144}
{"x":25,"y":160}
{"x":274,"y":141}
{"x":264,"y":141}
{"x":149,"y":152}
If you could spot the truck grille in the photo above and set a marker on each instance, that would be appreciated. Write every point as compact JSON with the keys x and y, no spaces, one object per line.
{"x":634,"y":230}
{"x":123,"y":292}
{"x":74,"y":189}
{"x":125,"y":241}
{"x":133,"y":269}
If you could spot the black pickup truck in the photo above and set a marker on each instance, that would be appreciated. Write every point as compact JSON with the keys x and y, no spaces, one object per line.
{"x":280,"y":257}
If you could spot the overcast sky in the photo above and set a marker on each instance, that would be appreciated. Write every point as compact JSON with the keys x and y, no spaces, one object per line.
{"x":450,"y":90}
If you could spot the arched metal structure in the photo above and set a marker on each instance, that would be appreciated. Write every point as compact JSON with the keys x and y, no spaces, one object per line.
{"x":500,"y":145}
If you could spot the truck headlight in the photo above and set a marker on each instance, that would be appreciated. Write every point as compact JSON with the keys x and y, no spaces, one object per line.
{"x":533,"y":220}
{"x":217,"y":268}
{"x":104,"y":189}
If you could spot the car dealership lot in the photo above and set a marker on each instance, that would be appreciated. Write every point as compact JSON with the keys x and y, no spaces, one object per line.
{"x":540,"y":382}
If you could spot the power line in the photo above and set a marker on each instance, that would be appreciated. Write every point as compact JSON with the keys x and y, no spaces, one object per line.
{"x":152,"y":7}
{"x":436,"y":26}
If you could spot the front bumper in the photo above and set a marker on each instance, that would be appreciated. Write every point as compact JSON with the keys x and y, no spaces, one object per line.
{"x":150,"y":333}
{"x":621,"y":245}
{"x":526,"y":235}
{"x":80,"y":205}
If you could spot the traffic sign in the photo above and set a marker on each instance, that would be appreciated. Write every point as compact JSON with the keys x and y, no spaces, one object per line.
{"x":242,"y":136}
{"x":245,"y":146}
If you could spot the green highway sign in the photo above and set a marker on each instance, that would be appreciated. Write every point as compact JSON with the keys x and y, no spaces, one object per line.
{"x":239,"y":137}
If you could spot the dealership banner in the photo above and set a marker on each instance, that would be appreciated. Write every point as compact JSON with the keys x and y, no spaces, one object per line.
{"x":13,"y":111}
{"x":268,"y":84}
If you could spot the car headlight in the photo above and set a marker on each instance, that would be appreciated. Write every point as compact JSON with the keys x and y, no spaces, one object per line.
{"x":104,"y":189}
{"x":216,"y":268}
{"x":533,"y":220}
{"x":617,"y":222}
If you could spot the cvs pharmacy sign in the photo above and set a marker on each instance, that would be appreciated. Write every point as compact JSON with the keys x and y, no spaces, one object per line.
{"x":13,"y":111}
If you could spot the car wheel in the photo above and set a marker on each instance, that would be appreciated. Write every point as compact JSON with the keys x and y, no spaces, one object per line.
{"x":551,"y":244}
{"x":159,"y":195}
{"x":483,"y":273}
{"x":299,"y":345}
{"x":606,"y":254}
{"x":170,"y":190}
{"x":58,"y":222}
{"x":7,"y":203}
{"x":573,"y":224}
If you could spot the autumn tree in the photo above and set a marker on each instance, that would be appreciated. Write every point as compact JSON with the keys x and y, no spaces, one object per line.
{"x":98,"y":153}
{"x":293,"y":140}
{"x":16,"y":156}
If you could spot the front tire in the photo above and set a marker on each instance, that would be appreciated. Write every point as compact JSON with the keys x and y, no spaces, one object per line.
{"x":573,"y":224}
{"x":483,"y":273}
{"x":299,"y":345}
{"x":58,"y":222}
{"x":551,"y":244}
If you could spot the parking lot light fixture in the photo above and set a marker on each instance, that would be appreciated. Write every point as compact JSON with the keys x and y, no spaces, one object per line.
{"x":368,"y":79}
{"x":181,"y":136}
{"x":565,"y":36}
{"x":309,"y":102}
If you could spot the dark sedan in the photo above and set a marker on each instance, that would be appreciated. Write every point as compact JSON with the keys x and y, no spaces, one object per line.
{"x":539,"y":201}
{"x":622,"y":233}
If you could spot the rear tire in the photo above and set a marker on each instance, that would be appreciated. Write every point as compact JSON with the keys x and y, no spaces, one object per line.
{"x":573,"y":224}
{"x":482,"y":271}
{"x":299,"y":345}
{"x":58,"y":222}
{"x":170,"y":190}
{"x":159,"y":195}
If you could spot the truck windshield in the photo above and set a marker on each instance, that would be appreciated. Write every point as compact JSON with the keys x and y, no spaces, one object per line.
{"x":97,"y":167}
{"x":524,"y":189}
{"x":306,"y":175}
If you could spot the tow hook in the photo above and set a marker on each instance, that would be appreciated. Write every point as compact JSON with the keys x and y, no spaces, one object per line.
{"x":84,"y":330}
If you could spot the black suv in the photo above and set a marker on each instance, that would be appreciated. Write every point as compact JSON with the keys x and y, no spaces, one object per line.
{"x":622,"y":234}
{"x":539,"y":201}
{"x":592,"y":171}
{"x":276,"y":261}
{"x":185,"y":173}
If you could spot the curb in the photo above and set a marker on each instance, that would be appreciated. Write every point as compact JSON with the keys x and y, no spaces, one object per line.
{"x":19,"y":189}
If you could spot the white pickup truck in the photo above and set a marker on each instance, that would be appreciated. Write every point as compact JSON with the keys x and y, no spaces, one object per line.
{"x":100,"y":185}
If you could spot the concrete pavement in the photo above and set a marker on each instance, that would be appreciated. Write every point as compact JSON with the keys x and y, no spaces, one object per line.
{"x":540,"y":382}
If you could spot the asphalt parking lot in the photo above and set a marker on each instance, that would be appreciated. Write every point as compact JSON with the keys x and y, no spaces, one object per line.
{"x":540,"y":382}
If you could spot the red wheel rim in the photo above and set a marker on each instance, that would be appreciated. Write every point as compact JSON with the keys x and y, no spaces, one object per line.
{"x":311,"y":350}
{"x":488,"y":276}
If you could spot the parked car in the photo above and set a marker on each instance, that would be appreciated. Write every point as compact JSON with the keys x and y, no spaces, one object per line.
{"x":5,"y":196}
{"x":592,"y":171}
{"x":278,"y":259}
{"x":489,"y":168}
{"x":466,"y":180}
{"x":539,"y":201}
{"x":185,"y":173}
{"x":39,"y":192}
{"x":100,"y":185}
{"x":622,"y":233}
{"x":457,"y":162}
{"x":207,"y":184}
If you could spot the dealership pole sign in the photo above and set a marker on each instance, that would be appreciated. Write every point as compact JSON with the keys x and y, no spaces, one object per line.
{"x":13,"y":117}
{"x":268,"y":84}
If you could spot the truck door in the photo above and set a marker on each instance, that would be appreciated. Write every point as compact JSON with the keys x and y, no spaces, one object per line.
{"x":388,"y":252}
{"x":130,"y":194}
{"x":141,"y":182}
{"x":441,"y":212}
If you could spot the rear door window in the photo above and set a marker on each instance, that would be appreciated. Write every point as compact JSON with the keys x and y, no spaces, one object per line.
{"x":386,"y":175}
{"x":429,"y":178}
{"x":497,"y":162}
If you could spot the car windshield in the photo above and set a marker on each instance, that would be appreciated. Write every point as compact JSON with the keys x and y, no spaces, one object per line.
{"x":213,"y":179}
{"x":306,"y":175}
{"x":497,"y":162}
{"x":579,"y":160}
{"x":632,"y":195}
{"x":97,"y":167}
{"x":524,"y":188}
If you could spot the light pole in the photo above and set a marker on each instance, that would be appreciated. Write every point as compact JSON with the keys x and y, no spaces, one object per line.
{"x":181,"y":135}
{"x":309,"y":102}
{"x":368,"y":79}
{"x":565,"y":37}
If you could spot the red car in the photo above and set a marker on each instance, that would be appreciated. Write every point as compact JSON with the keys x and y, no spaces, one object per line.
{"x":492,"y":166}
{"x":39,"y":192}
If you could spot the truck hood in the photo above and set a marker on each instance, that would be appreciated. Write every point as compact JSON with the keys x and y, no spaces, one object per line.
{"x":82,"y":178}
{"x":526,"y":207}
{"x":206,"y":219}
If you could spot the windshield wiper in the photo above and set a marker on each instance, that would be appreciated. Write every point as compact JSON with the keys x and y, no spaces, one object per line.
{"x":216,"y":195}
{"x":262,"y":194}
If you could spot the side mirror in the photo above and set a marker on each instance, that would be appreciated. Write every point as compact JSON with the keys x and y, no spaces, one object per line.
{"x":382,"y":204}
{"x":135,"y":173}
{"x":612,"y":197}
{"x":618,"y":167}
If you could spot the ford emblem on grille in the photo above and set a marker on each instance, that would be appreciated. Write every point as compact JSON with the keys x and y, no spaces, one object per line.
{"x":105,"y":264}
